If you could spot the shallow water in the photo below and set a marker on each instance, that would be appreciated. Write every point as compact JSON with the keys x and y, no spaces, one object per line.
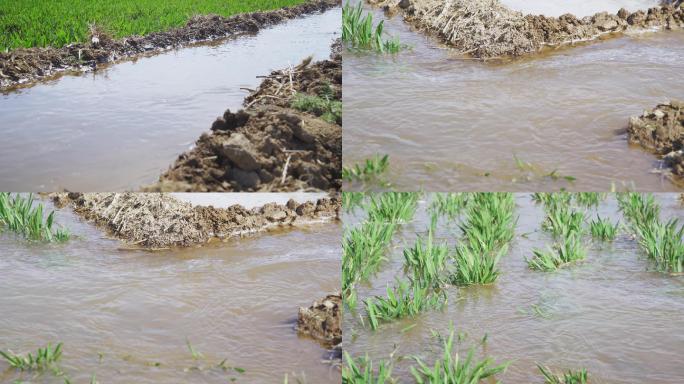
{"x":236,"y":301}
{"x":608,"y":314}
{"x":449,"y":123}
{"x":120,"y":127}
{"x":579,"y":8}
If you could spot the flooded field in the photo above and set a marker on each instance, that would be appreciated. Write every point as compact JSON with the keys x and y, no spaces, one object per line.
{"x":611,"y":314}
{"x":127,"y":315}
{"x":544,"y":122}
{"x":120,"y":127}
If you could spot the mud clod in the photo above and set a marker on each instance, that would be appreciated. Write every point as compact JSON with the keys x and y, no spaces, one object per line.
{"x":157,"y":220}
{"x":488,"y":29}
{"x":22,"y":66}
{"x":322,"y":321}
{"x":269,"y":145}
{"x":661,"y":130}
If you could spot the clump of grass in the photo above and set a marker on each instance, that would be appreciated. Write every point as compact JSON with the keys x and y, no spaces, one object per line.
{"x":474,"y":266}
{"x":589,"y":199}
{"x":43,"y":359}
{"x":19,"y":214}
{"x":402,"y":301}
{"x":426,"y":261}
{"x":563,"y":220}
{"x":351,"y":200}
{"x":449,"y":204}
{"x":603,"y":229}
{"x":359,"y":32}
{"x":568,"y":251}
{"x":663,"y":244}
{"x":570,"y":377}
{"x":451,"y":369}
{"x":639,"y":209}
{"x":360,"y":371}
{"x":371,"y":168}
{"x":393,"y":207}
{"x":552,"y":200}
{"x":323,"y":106}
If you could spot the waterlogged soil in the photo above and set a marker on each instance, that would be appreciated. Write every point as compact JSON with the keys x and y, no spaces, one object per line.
{"x":120,"y":127}
{"x":155,"y":220}
{"x":125,"y":315}
{"x":268,"y":145}
{"x":609,"y":314}
{"x":449,"y":122}
{"x":22,"y":66}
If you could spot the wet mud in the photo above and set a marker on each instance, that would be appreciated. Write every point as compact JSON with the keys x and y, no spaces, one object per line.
{"x":322,"y":321}
{"x":22,"y":66}
{"x":488,"y":29}
{"x":268,"y":145}
{"x":661,"y":131}
{"x":157,"y":220}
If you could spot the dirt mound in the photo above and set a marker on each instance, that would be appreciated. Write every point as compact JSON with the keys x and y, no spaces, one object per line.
{"x":157,"y":220}
{"x":269,"y":146}
{"x":22,"y":66}
{"x":322,"y":321}
{"x":488,"y":29}
{"x":661,"y":130}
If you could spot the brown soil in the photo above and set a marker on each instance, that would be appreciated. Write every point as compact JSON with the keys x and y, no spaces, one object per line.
{"x":157,"y":220}
{"x":22,"y":66}
{"x":268,"y":146}
{"x":488,"y":29}
{"x":661,"y":130}
{"x":322,"y":321}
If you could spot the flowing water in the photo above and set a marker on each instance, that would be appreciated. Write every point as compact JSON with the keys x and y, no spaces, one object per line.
{"x":236,"y":301}
{"x":608,"y":314}
{"x":120,"y":127}
{"x":450,"y":123}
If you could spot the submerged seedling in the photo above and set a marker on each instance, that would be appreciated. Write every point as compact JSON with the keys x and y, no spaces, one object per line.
{"x":402,"y":301}
{"x":42,"y":360}
{"x":19,"y":214}
{"x":449,"y":204}
{"x":359,"y":32}
{"x":569,"y":250}
{"x":474,"y":265}
{"x":361,"y":371}
{"x":570,"y":377}
{"x":371,"y":168}
{"x":603,"y":229}
{"x":393,"y":207}
{"x":426,"y":261}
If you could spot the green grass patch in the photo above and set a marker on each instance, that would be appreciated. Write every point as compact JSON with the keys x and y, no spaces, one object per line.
{"x":352,"y":200}
{"x":570,"y":377}
{"x":569,"y":250}
{"x":322,"y":106}
{"x":361,"y":371}
{"x":589,"y":199}
{"x":359,"y":32}
{"x":43,"y":359}
{"x":393,"y":207}
{"x":42,"y":23}
{"x":19,"y":214}
{"x":663,"y":244}
{"x":451,"y":369}
{"x":449,"y":205}
{"x":563,"y":221}
{"x":371,"y":168}
{"x":426,"y":261}
{"x":402,"y":301}
{"x":603,"y":229}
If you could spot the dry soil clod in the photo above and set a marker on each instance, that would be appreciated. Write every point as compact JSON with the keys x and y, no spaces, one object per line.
{"x":661,"y":130}
{"x":488,"y":29}
{"x":158,"y":220}
{"x":23,"y":66}
{"x":322,"y":321}
{"x":269,"y":146}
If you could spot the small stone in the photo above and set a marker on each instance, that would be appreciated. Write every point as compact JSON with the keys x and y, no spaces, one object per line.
{"x":241,"y":152}
{"x":247,"y":179}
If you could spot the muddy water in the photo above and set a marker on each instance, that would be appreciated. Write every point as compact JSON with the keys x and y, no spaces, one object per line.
{"x":236,"y":301}
{"x":450,"y":123}
{"x":579,"y":8}
{"x":120,"y":127}
{"x":608,"y":314}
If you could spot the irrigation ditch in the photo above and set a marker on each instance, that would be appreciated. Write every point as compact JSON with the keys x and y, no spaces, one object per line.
{"x":134,"y":290}
{"x":135,"y":117}
{"x":531,"y":102}
{"x":535,"y":288}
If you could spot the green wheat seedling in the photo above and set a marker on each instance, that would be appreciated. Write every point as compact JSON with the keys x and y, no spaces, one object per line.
{"x":603,"y":229}
{"x":570,"y":377}
{"x":638,"y":209}
{"x":361,"y":371}
{"x":19,"y":214}
{"x":474,"y":266}
{"x":452,"y":369}
{"x":426,"y":261}
{"x":393,"y":207}
{"x":563,"y":221}
{"x":449,"y":204}
{"x":402,"y":301}
{"x":552,"y":200}
{"x":568,"y":251}
{"x":589,"y":199}
{"x":43,"y":359}
{"x":490,"y":222}
{"x":351,"y":200}
{"x":371,"y":168}
{"x":359,"y":32}
{"x":663,"y":244}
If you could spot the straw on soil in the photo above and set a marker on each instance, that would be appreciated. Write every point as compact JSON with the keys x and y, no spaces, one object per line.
{"x":22,"y":66}
{"x":269,"y":146}
{"x":661,"y":130}
{"x":157,"y":220}
{"x":487,"y":28}
{"x":322,"y":321}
